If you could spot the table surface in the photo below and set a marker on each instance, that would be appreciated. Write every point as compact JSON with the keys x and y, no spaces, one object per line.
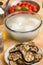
{"x":8,"y":41}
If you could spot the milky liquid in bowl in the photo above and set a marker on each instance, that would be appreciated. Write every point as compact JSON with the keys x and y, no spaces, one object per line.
{"x":23,"y":27}
{"x":22,"y":22}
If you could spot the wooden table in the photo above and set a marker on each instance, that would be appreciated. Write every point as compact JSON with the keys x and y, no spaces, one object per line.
{"x":8,"y":41}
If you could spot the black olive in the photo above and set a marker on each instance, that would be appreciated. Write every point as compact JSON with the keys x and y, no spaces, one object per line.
{"x":1,"y":3}
{"x":24,"y":57}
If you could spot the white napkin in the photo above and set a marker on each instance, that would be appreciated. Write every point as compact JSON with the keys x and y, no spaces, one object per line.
{"x":1,"y":11}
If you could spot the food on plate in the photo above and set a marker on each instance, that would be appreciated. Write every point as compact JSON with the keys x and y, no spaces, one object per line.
{"x":13,"y":50}
{"x":25,"y":53}
{"x":23,"y":6}
{"x":31,"y":46}
{"x":12,"y":63}
{"x":19,"y":62}
{"x":37,"y":57}
{"x":29,"y":57}
{"x":16,"y":56}
{"x":34,"y":49}
{"x":10,"y":56}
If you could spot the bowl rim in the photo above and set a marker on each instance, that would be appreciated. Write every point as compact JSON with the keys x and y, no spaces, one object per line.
{"x":20,"y":31}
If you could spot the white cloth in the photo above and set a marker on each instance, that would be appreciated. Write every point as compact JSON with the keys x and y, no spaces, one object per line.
{"x":1,"y":11}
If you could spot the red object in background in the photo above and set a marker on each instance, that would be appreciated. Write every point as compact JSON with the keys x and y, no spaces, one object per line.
{"x":19,"y":4}
{"x":35,"y":9}
{"x":31,"y":8}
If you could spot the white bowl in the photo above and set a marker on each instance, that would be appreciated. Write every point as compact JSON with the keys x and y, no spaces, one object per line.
{"x":22,"y":35}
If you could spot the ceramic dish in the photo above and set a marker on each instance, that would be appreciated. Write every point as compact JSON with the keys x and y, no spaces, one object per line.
{"x":23,"y":26}
{"x":7,"y":54}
